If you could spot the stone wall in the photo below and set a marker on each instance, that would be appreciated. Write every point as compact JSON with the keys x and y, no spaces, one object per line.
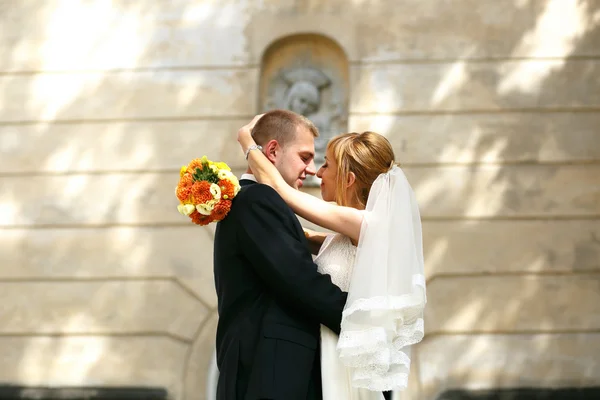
{"x":493,"y":109}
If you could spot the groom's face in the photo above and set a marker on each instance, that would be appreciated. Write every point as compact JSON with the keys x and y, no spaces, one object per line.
{"x":296,"y":160}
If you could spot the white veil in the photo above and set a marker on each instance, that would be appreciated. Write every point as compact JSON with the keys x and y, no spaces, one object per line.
{"x":383,"y":316}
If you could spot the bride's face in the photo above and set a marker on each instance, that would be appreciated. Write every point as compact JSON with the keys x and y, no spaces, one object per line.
{"x":328,"y":175}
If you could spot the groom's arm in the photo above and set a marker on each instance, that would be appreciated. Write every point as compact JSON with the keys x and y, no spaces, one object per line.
{"x":283,"y":261}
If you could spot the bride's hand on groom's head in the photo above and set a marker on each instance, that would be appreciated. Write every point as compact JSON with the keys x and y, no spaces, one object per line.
{"x":245,"y":132}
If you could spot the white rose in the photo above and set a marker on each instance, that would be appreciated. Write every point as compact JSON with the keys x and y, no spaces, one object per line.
{"x":215,"y":190}
{"x":186,"y":209}
{"x":206,"y":208}
{"x":224,"y":174}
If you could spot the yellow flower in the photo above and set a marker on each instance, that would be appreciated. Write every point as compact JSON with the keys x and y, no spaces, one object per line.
{"x":222,"y":165}
{"x":214,"y":168}
{"x":215,"y":190}
{"x":186,"y":209}
{"x":182,"y":171}
{"x":205,"y":160}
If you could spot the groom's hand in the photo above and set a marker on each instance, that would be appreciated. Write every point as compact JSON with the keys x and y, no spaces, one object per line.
{"x":315,"y":240}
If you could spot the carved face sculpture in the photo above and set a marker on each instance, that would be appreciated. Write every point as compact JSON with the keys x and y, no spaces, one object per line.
{"x":303,"y":98}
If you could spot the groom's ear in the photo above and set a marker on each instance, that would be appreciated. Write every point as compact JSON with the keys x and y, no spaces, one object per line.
{"x":271,"y":149}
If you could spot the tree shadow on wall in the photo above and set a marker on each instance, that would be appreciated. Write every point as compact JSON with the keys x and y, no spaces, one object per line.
{"x":90,"y":148}
{"x":100,"y":165}
{"x":506,"y":285}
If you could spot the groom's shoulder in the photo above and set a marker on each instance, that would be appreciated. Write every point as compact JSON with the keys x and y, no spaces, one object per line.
{"x":258,"y":193}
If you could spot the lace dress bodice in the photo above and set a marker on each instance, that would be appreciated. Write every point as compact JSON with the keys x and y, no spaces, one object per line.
{"x":336,"y":259}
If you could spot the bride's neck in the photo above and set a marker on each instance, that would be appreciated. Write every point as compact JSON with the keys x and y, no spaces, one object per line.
{"x":357,"y":206}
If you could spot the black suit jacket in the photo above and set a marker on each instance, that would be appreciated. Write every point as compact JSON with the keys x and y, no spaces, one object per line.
{"x":271,"y":301}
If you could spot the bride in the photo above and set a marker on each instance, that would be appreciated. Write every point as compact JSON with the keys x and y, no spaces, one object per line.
{"x":376,"y":255}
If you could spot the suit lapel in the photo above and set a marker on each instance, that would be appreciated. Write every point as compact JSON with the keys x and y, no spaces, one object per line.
{"x":295,"y":221}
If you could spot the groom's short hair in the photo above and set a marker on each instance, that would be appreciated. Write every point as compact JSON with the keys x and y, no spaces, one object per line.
{"x":282,"y":126}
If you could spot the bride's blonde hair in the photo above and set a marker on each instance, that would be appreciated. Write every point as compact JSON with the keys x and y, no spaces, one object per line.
{"x":367,"y":155}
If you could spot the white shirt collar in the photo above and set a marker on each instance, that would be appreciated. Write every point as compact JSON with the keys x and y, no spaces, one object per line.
{"x":249,"y":177}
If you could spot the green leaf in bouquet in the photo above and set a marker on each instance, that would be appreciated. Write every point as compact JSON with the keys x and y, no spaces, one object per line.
{"x":205,"y":174}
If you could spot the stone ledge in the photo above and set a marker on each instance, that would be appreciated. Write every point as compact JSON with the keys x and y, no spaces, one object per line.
{"x":451,"y":248}
{"x":488,"y":86}
{"x":96,"y":307}
{"x":138,"y":146}
{"x":492,"y":362}
{"x":126,"y":253}
{"x":513,"y":304}
{"x":110,"y":361}
{"x":454,"y":248}
{"x":487,"y":138}
{"x":180,"y":34}
{"x":539,"y":191}
{"x":15,"y":392}
{"x":128,"y":95}
{"x":592,"y":393}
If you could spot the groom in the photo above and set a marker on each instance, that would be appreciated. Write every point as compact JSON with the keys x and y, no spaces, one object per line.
{"x":271,"y":299}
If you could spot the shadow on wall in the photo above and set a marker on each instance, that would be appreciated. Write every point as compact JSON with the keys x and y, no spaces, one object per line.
{"x":105,"y":283}
{"x":510,"y":200}
{"x":85,"y":157}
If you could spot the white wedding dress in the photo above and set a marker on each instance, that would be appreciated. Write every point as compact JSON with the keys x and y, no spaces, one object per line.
{"x":336,"y":258}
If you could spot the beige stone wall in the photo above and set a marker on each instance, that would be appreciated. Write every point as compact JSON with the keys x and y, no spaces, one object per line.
{"x":493,"y":109}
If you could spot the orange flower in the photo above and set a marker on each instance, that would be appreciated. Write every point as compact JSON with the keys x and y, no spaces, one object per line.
{"x":183,"y":193}
{"x":186,"y":180}
{"x":221,"y":210}
{"x":227,"y":189}
{"x":195,"y":163}
{"x":200,"y":219}
{"x":184,"y":187}
{"x":201,"y":192}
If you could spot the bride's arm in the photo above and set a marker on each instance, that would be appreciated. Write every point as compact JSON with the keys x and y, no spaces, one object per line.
{"x":345,"y":220}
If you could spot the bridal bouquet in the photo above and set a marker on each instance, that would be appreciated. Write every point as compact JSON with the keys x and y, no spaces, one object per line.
{"x":205,"y":190}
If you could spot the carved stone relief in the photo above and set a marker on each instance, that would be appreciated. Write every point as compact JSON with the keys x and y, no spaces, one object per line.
{"x":308,"y":74}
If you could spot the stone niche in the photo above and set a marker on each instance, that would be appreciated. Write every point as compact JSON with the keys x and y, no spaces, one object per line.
{"x":307,"y":74}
